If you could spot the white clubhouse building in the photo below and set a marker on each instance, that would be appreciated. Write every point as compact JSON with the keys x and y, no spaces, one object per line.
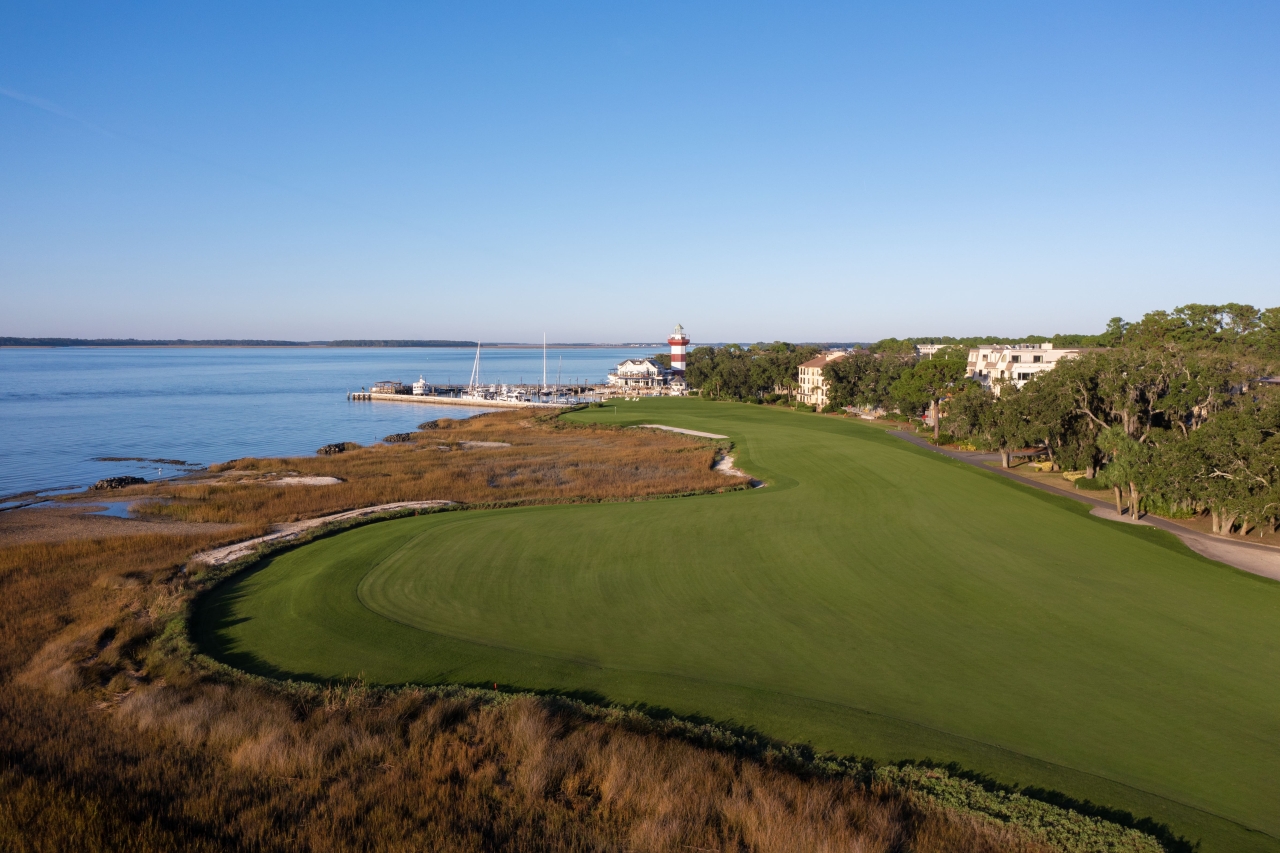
{"x":639,"y":373}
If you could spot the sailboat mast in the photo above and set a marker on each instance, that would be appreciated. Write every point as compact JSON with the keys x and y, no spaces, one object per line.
{"x":544,"y":361}
{"x":475,"y":369}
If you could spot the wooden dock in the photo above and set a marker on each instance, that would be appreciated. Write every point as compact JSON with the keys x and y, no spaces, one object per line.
{"x":451,"y":401}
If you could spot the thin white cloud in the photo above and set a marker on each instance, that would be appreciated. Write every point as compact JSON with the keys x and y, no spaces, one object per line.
{"x":54,"y":109}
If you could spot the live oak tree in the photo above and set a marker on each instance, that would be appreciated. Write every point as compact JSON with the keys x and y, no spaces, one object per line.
{"x":1234,"y":465}
{"x":736,"y":372}
{"x":929,"y":380}
{"x":969,"y":413}
{"x":1128,"y":460}
{"x":864,"y":378}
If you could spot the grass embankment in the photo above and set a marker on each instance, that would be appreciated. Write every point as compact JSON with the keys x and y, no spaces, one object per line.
{"x":875,"y":599}
{"x":113,"y":738}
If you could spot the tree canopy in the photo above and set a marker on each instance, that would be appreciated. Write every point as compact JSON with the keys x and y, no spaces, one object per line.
{"x":736,"y":372}
{"x":1173,"y":414}
{"x":1168,"y":409}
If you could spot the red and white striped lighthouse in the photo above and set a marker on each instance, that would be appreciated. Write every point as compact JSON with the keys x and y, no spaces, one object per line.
{"x":679,"y":341}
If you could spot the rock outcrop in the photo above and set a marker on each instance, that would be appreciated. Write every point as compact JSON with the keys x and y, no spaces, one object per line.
{"x":335,"y":449}
{"x":118,"y":483}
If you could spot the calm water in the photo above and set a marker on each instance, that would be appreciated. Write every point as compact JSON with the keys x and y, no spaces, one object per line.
{"x":61,"y":409}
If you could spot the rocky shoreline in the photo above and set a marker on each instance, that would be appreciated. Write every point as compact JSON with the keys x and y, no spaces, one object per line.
{"x":117,"y":483}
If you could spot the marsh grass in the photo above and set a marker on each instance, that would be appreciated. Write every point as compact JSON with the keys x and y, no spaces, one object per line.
{"x":546,"y":461}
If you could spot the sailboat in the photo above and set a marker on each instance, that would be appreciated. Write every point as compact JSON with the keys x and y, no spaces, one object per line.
{"x":474,"y":390}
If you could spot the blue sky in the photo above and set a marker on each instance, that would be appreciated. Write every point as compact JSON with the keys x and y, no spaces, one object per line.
{"x":602,"y":171}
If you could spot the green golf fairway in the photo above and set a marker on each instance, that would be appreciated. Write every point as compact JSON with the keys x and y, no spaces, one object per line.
{"x":874,"y":599}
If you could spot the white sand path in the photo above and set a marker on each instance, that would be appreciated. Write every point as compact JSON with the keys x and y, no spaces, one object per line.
{"x":303,"y":481}
{"x":683,"y":431}
{"x":294,"y":529}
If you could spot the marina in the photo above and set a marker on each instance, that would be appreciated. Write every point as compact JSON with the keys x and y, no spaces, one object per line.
{"x":491,"y":397}
{"x":632,"y":378}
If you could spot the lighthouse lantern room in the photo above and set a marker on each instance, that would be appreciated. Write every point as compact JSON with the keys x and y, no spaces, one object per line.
{"x":679,"y":343}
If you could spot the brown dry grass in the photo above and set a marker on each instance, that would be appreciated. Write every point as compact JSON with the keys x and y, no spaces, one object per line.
{"x":112,"y":739}
{"x":546,"y":461}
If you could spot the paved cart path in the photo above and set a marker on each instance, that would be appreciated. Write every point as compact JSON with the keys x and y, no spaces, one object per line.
{"x":1261,"y":560}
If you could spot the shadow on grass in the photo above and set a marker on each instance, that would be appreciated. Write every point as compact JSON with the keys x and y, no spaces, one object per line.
{"x":212,"y":612}
{"x":1162,"y":832}
{"x":723,"y":735}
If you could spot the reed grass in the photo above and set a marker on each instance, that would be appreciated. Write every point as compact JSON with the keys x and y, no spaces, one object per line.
{"x":545,"y":462}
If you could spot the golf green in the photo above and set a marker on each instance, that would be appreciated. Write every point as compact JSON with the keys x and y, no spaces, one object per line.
{"x":874,"y":599}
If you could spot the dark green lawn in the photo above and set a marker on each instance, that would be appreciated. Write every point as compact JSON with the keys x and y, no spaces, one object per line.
{"x":874,"y":598}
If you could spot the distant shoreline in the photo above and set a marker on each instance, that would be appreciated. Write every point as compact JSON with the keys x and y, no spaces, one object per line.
{"x":72,"y":343}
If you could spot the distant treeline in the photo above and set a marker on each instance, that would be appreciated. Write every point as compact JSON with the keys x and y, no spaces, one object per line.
{"x":181,"y":342}
{"x":400,"y":343}
{"x":906,"y":346}
{"x":135,"y":342}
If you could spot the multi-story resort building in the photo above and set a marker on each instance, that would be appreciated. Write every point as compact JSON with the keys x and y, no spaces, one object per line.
{"x":992,"y":365}
{"x":813,"y":386}
{"x":1016,"y":363}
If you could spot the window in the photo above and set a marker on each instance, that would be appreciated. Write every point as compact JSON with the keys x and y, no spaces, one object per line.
{"x":1037,"y":359}
{"x":1016,"y":359}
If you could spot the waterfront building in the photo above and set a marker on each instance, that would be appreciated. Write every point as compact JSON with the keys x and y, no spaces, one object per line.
{"x":639,"y":373}
{"x":1015,"y":363}
{"x":645,"y":374}
{"x":389,"y":387}
{"x":813,"y":385}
